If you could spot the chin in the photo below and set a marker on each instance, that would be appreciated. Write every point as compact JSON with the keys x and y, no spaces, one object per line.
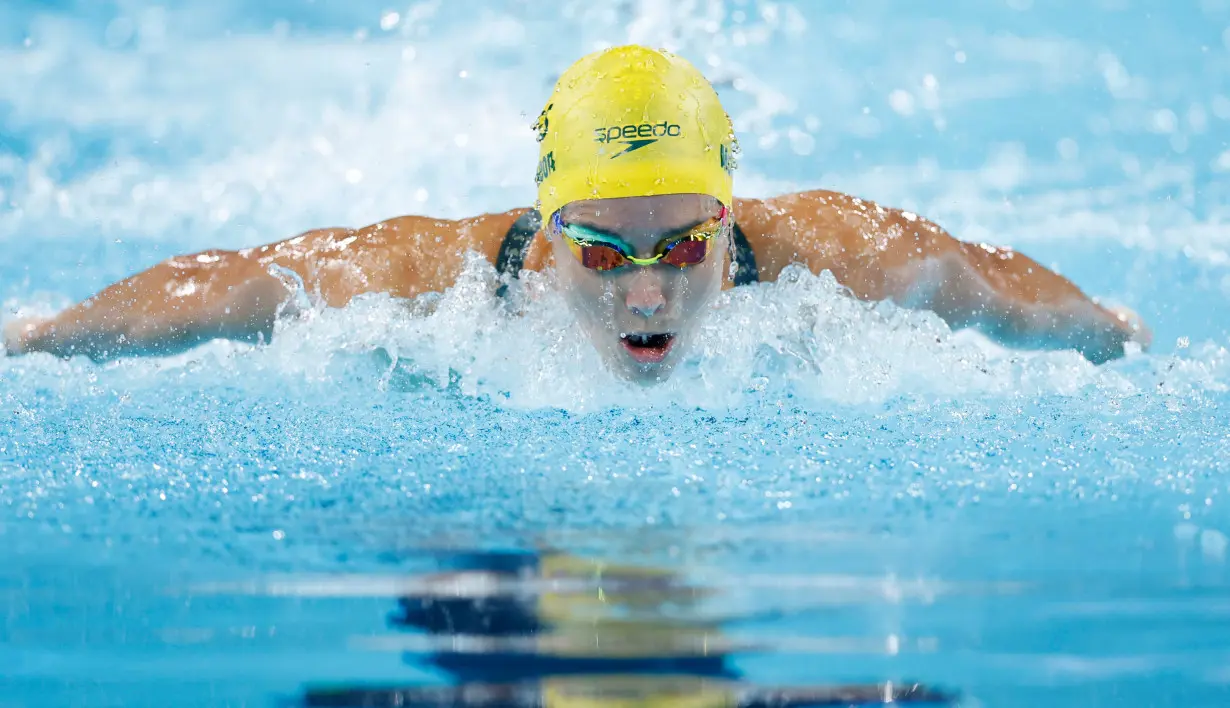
{"x":645,"y":373}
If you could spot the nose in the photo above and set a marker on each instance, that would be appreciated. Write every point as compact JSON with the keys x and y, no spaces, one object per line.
{"x":645,"y":296}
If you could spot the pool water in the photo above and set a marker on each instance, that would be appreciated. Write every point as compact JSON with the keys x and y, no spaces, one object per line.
{"x":445,"y":503}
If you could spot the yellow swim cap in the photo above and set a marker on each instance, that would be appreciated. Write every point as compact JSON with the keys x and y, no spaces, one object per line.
{"x":633,"y":122}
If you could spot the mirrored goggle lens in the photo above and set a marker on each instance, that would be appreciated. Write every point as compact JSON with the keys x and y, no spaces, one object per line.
{"x":598,"y":257}
{"x":687,"y":253}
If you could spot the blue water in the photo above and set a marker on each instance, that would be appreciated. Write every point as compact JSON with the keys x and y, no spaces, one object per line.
{"x":850,"y":494}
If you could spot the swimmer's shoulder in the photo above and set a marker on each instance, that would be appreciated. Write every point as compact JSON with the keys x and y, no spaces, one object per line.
{"x":858,"y":240}
{"x":431,"y":251}
{"x":403,"y":256}
{"x":813,"y":228}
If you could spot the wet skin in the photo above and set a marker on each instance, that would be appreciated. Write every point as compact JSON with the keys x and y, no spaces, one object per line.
{"x":876,"y":252}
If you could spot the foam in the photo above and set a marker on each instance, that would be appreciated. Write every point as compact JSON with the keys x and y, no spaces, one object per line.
{"x":803,"y":337}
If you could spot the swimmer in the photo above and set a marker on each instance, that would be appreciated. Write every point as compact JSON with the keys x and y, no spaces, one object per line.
{"x":637,"y":216}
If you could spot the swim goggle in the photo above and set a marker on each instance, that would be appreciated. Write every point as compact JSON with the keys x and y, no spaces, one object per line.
{"x":601,"y":251}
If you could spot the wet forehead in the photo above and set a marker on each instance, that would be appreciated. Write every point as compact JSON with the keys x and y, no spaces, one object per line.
{"x":637,"y":217}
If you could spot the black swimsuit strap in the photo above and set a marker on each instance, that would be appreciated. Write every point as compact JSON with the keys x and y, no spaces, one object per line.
{"x":515,"y":245}
{"x":746,"y":271}
{"x":511,"y":258}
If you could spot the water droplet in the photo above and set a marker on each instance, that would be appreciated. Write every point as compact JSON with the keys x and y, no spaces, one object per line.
{"x":801,"y":143}
{"x":1213,"y":545}
{"x":902,"y":102}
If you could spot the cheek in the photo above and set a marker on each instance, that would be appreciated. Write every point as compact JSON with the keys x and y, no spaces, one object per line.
{"x":696,"y":285}
{"x":591,"y":296}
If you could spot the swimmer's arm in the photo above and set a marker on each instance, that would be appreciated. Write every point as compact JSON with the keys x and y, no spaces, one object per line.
{"x":188,"y":300}
{"x":1006,"y":295}
{"x":173,"y":306}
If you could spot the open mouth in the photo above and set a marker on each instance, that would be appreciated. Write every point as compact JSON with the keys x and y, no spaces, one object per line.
{"x":647,"y":348}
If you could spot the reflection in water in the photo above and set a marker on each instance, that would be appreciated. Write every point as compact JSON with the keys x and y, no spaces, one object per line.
{"x":557,"y":631}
